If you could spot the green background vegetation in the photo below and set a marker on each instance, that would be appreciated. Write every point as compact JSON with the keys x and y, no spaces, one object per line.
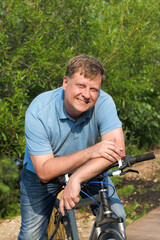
{"x":37,"y":38}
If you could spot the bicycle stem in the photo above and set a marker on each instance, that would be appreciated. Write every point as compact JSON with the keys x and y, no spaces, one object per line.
{"x":105,"y":201}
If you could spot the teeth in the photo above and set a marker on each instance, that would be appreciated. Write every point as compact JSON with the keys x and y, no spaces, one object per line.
{"x":83,"y":101}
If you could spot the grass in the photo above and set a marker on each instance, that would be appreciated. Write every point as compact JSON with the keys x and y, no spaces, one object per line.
{"x":132,"y":215}
{"x":156,"y":187}
{"x":125,"y":191}
{"x":141,"y":190}
{"x":136,"y":200}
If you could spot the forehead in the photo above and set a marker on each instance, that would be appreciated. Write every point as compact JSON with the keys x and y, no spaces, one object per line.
{"x":80,"y":76}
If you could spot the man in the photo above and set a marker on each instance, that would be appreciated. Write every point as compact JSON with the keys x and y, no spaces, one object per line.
{"x":61,"y":129}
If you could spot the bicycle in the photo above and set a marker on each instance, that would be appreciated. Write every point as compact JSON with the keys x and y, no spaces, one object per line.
{"x":65,"y":227}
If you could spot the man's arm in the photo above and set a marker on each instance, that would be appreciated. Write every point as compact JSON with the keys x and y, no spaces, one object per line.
{"x":48,"y":167}
{"x":96,"y":165}
{"x":92,"y":168}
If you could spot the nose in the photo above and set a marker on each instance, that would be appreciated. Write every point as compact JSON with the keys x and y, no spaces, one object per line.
{"x":86,"y":93}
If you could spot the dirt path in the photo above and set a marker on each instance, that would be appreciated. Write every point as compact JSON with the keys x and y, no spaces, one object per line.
{"x":149,"y":171}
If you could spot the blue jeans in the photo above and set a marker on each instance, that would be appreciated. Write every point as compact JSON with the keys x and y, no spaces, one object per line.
{"x":37,"y":202}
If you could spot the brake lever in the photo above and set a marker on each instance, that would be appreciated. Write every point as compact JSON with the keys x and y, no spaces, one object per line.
{"x":129,"y":170}
{"x":124,"y":163}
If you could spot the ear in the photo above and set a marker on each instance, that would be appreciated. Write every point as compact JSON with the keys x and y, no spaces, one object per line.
{"x":64,"y":84}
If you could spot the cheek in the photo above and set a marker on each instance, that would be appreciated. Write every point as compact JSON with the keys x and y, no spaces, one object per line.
{"x":94,"y":97}
{"x":72,"y":92}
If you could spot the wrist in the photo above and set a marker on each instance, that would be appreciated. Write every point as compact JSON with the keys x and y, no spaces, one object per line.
{"x":76,"y":177}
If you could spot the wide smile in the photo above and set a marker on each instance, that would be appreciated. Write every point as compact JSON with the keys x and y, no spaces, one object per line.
{"x":83,"y":101}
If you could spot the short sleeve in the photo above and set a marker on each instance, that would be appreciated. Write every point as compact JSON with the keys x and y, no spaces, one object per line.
{"x":107,"y":117}
{"x":37,"y":139}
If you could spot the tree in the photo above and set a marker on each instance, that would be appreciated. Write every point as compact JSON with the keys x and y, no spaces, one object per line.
{"x":9,"y":191}
{"x":38,"y":37}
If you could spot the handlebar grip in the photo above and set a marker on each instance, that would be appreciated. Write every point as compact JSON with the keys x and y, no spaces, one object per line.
{"x":140,"y":158}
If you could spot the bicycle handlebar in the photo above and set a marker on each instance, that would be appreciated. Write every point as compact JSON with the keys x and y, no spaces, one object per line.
{"x":128,"y":161}
{"x":131,"y":160}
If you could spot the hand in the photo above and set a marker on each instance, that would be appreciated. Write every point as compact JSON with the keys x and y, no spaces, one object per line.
{"x":108,"y":150}
{"x":70,"y":195}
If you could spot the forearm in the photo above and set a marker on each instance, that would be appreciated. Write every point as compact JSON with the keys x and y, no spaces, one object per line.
{"x":49,"y":167}
{"x":90,"y":169}
{"x":97,"y":165}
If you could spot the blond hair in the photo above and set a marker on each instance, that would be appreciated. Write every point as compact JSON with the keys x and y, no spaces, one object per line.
{"x":89,"y":66}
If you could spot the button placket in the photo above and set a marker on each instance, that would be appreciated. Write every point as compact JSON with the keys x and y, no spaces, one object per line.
{"x":75,"y":133}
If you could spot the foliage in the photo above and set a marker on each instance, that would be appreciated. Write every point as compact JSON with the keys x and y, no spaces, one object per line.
{"x":9,"y":187}
{"x":125,"y":191}
{"x":130,"y":210}
{"x":132,"y":65}
{"x":38,"y":37}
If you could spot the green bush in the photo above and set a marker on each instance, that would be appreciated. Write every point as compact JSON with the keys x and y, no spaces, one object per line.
{"x":9,"y":187}
{"x":38,"y":38}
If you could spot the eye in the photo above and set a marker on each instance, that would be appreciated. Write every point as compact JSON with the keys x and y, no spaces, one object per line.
{"x":94,"y":90}
{"x":81,"y":85}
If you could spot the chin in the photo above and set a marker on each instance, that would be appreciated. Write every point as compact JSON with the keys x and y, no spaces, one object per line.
{"x":82,"y":110}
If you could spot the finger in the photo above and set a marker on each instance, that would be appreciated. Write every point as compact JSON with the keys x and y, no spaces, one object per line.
{"x":111,"y":156}
{"x":76,"y":200}
{"x":70,"y":203}
{"x":61,"y":207}
{"x":114,"y":145}
{"x":115,"y":149}
{"x":110,"y":145}
{"x":111,"y":151}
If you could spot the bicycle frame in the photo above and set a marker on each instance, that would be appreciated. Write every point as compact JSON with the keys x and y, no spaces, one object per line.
{"x":103,"y":217}
{"x":105,"y":214}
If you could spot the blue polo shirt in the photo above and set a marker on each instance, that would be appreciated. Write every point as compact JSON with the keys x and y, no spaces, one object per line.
{"x":48,"y":128}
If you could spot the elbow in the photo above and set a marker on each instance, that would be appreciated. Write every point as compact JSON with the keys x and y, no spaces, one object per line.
{"x":43,"y":178}
{"x":44,"y":173}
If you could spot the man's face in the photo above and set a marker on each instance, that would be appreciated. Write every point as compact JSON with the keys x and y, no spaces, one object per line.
{"x":80,"y":93}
